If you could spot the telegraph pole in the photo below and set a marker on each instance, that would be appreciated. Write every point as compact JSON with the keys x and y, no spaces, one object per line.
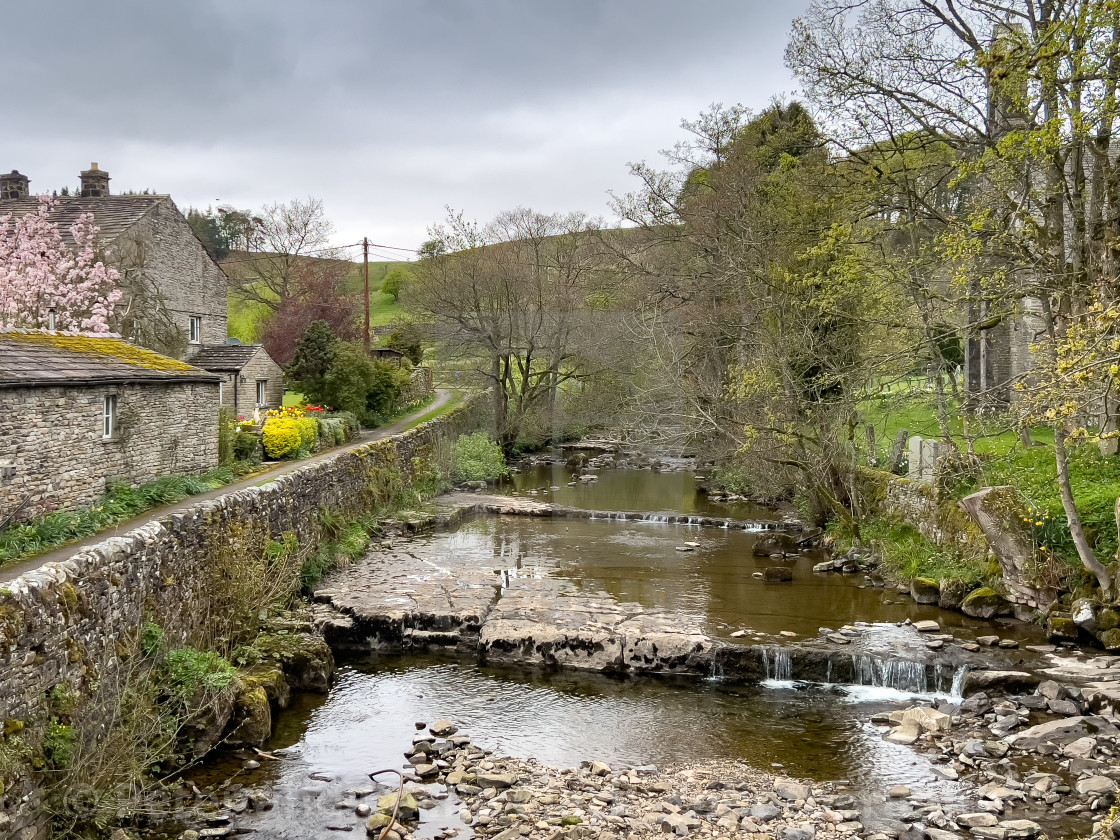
{"x":365,"y":271}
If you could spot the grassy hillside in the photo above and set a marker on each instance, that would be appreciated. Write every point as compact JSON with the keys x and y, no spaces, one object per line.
{"x":246,"y":317}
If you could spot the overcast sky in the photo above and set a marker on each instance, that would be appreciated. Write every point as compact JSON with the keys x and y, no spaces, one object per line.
{"x":388,"y":110}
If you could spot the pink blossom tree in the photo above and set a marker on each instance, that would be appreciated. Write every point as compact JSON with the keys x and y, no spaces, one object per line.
{"x":40,"y":272}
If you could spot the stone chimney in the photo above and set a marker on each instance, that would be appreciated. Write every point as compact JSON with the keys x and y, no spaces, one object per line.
{"x":14,"y":185}
{"x":95,"y":182}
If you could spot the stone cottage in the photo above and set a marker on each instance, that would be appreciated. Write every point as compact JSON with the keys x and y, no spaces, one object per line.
{"x":175,"y":295}
{"x":78,"y":410}
{"x":250,"y":379}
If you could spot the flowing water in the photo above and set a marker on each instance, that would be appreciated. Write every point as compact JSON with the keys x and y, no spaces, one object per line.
{"x":819,"y":730}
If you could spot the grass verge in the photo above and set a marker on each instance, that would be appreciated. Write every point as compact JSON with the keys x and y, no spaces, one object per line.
{"x":47,"y":532}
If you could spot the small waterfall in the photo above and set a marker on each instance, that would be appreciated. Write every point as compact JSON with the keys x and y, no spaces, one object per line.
{"x":958,"y":681}
{"x":778,"y":664}
{"x":715,"y":670}
{"x":828,"y":673}
{"x":899,"y":674}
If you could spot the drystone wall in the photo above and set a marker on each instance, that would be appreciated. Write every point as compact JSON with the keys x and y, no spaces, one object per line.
{"x":70,"y":624}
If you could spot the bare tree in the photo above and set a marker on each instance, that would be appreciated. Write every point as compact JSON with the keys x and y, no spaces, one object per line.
{"x":283,"y":239}
{"x":509,"y":300}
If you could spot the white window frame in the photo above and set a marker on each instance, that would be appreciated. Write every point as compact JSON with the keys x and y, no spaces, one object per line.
{"x":196,"y":329}
{"x":221,"y":392}
{"x":262,"y":393}
{"x":109,"y":417}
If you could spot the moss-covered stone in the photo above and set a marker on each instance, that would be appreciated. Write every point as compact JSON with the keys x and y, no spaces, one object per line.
{"x":952,"y":593}
{"x":1107,"y":619}
{"x":985,"y":603}
{"x":253,"y":716}
{"x":408,"y":809}
{"x":305,"y":658}
{"x":925,"y":590}
{"x":1061,"y":628}
{"x":1110,"y":639}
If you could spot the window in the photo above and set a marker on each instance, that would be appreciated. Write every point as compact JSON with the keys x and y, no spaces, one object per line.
{"x":262,"y":392}
{"x":196,"y":329}
{"x":221,"y":393}
{"x":109,"y":427}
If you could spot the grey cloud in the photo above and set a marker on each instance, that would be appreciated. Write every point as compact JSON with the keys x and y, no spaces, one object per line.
{"x":386,"y":108}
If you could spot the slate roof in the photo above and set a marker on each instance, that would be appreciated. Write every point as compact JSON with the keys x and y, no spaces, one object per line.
{"x":224,"y":357}
{"x":114,"y":213}
{"x":38,"y":358}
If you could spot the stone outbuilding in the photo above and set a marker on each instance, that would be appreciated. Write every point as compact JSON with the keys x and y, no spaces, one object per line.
{"x":78,"y":410}
{"x":175,"y":295}
{"x":250,"y":379}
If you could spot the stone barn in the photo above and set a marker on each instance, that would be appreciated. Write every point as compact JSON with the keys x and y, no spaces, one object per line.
{"x":250,"y":377}
{"x":78,"y":410}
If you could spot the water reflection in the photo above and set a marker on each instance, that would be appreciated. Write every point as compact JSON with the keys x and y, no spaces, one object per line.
{"x":638,"y":562}
{"x":628,"y":490}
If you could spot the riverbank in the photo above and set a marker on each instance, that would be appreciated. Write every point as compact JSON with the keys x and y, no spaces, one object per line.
{"x":123,"y":654}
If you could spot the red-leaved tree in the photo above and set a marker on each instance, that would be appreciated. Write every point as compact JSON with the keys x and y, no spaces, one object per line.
{"x":40,"y":272}
{"x":319,"y":293}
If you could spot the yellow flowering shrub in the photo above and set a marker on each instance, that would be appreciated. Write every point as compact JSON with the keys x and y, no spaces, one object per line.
{"x":281,"y":437}
{"x":308,"y":432}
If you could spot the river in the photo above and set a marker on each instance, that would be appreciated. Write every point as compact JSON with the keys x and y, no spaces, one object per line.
{"x":818,"y":731}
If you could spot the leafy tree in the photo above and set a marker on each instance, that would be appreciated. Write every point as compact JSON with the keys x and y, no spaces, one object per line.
{"x":319,"y":291}
{"x":40,"y":273}
{"x":395,"y":280}
{"x":767,"y":312}
{"x":1024,"y":94}
{"x":313,"y":358}
{"x":356,"y":383}
{"x":406,"y":338}
{"x":223,"y":231}
{"x":209,"y":233}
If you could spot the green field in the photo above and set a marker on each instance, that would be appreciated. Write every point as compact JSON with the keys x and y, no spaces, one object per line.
{"x":246,"y":318}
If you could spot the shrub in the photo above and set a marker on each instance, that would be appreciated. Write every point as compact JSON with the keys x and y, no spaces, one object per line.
{"x":227,"y":431}
{"x":308,"y":429}
{"x":350,"y":424}
{"x":281,"y":437}
{"x":58,"y":746}
{"x":246,"y":446}
{"x":332,"y":430}
{"x":478,"y":458}
{"x":151,"y":638}
{"x":188,"y":670}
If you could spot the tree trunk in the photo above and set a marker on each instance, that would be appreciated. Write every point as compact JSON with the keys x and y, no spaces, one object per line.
{"x":1084,"y":550}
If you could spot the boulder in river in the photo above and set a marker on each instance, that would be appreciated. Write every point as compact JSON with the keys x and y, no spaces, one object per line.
{"x":1061,"y":732}
{"x":985,"y":603}
{"x":951,"y":593}
{"x":777,"y":574}
{"x":925,"y":590}
{"x":1011,"y":682}
{"x":775,"y":545}
{"x":408,"y":809}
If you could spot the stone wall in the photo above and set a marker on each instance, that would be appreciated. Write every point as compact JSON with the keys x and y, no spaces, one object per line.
{"x":68,"y":623}
{"x":943,"y":523}
{"x":53,"y":439}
